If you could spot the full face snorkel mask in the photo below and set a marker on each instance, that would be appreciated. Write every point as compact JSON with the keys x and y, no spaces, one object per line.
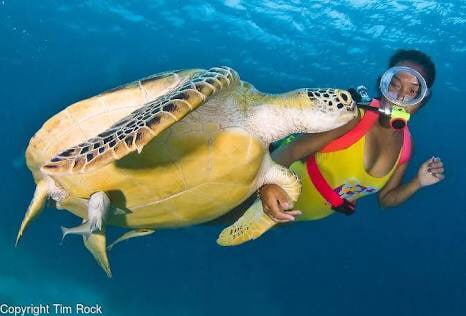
{"x":401,"y":87}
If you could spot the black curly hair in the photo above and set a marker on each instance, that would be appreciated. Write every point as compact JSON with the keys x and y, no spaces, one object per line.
{"x":417,"y":57}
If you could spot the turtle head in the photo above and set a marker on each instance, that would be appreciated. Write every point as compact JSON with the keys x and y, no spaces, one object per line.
{"x":325,"y":109}
{"x":300,"y":111}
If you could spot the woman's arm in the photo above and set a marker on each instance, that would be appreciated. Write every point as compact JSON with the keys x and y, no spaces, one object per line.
{"x":394,"y":193}
{"x":308,"y":144}
{"x":275,"y":201}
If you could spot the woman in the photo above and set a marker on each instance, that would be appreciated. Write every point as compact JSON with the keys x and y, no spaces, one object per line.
{"x":338,"y":167}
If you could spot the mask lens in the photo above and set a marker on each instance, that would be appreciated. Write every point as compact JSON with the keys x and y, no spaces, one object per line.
{"x":403,"y":86}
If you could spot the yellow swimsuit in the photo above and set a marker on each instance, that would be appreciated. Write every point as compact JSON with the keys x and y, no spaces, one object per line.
{"x":344,"y":171}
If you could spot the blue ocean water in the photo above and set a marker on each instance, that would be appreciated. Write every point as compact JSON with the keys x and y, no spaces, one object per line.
{"x":409,"y":260}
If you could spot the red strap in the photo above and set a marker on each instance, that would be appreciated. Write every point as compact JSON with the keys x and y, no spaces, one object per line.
{"x":340,"y":143}
{"x":345,"y":141}
{"x":321,"y":184}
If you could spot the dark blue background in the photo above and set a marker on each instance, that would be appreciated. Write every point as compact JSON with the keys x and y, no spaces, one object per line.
{"x":405,"y":261}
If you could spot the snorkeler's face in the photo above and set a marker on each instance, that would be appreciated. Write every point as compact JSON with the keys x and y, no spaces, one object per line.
{"x":405,"y":86}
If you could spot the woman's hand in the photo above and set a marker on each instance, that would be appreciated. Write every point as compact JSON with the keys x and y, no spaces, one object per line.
{"x":431,"y":172}
{"x":275,"y":203}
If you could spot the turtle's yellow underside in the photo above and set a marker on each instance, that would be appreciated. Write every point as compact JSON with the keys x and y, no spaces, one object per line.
{"x":180,"y":179}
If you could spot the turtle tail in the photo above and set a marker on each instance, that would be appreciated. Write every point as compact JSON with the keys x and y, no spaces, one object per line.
{"x":35,"y":207}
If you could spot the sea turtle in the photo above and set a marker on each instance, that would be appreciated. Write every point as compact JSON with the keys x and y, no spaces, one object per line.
{"x":118,"y":158}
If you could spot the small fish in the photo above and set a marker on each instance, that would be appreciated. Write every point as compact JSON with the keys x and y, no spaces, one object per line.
{"x":131,"y":234}
{"x":84,"y":229}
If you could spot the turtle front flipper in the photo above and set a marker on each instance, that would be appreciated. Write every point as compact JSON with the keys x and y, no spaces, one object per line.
{"x":251,"y":225}
{"x":134,"y":131}
{"x":254,"y":221}
{"x":35,"y":207}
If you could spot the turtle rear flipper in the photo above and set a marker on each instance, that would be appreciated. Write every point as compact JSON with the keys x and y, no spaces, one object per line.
{"x":93,"y":229}
{"x":134,"y":131}
{"x":96,"y":243}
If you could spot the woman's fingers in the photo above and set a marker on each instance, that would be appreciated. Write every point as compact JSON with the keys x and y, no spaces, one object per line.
{"x":283,"y":200}
{"x":281,"y":215}
{"x":295,"y":212}
{"x":439,"y":176}
{"x":436,"y":170}
{"x":285,"y":216}
{"x":431,"y":171}
{"x":271,"y":207}
{"x":435,"y":162}
{"x":284,"y":205}
{"x":280,"y":220}
{"x":435,"y":165}
{"x":274,"y":210}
